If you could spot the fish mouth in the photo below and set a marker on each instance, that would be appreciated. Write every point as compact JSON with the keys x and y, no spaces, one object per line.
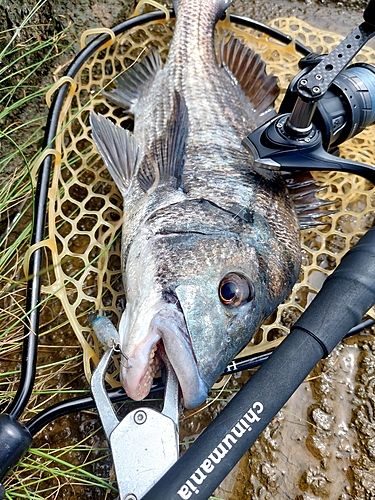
{"x":167,"y":336}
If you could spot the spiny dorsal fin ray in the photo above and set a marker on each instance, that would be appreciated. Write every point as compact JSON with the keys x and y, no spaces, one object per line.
{"x":250,"y":72}
{"x":303,"y":190}
{"x":131,"y":83}
{"x":311,"y":220}
{"x":165,"y":158}
{"x":118,"y":148}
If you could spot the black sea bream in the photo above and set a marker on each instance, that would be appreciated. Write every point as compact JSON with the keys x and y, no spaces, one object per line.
{"x":210,"y":243}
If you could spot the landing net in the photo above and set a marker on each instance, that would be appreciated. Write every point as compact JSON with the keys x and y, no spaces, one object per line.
{"x":82,"y":247}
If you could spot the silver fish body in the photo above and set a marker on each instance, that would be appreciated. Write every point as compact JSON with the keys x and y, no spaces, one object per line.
{"x":210,"y":243}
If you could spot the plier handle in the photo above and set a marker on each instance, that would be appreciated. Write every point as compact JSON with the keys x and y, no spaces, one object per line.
{"x":144,"y":444}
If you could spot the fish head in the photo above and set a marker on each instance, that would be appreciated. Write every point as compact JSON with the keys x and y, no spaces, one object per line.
{"x":198,"y":298}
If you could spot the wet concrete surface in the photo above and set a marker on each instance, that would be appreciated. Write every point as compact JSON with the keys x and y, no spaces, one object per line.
{"x":340,"y":17}
{"x":319,"y":446}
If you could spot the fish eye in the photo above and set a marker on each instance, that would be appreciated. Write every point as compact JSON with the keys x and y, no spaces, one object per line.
{"x":235,"y":290}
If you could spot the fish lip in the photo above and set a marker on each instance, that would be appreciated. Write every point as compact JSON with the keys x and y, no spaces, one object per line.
{"x":168,"y":324}
{"x":179,"y":350}
{"x":136,"y":366}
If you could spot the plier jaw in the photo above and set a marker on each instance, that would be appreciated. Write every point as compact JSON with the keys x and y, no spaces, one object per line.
{"x":144,"y":444}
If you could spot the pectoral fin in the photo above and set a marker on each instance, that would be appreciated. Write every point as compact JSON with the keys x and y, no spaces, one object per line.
{"x":165,"y":158}
{"x":118,"y":148}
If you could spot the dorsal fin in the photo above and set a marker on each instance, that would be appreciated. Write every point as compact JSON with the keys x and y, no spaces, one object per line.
{"x":250,"y":72}
{"x":118,"y":148}
{"x":165,"y":158}
{"x":131,"y":83}
{"x":303,"y":190}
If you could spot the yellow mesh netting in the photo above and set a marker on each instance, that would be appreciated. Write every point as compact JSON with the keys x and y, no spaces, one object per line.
{"x":84,"y":215}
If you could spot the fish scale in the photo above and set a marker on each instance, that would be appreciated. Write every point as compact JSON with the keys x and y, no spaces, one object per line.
{"x":210,"y":241}
{"x":222,"y":112}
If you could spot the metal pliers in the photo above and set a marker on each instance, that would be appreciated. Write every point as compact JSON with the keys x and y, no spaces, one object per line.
{"x":144,"y":444}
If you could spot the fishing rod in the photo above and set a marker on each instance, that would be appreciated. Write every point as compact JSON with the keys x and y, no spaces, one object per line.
{"x":303,"y":136}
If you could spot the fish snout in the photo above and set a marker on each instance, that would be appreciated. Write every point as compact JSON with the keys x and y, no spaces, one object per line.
{"x":165,"y":334}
